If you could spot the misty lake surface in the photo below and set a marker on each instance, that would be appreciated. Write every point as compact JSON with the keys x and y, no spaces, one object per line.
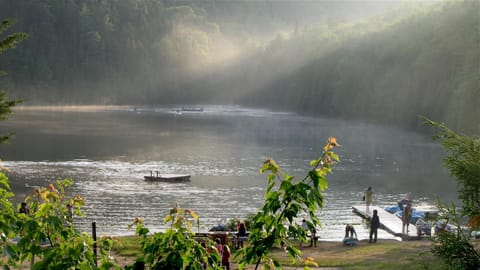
{"x":107,"y":151}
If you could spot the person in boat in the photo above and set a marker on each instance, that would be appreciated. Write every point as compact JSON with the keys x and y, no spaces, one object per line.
{"x":350,"y":238}
{"x":374,"y":225}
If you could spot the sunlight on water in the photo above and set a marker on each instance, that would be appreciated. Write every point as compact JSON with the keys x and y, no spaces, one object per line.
{"x":115,"y":193}
{"x":108,"y":151}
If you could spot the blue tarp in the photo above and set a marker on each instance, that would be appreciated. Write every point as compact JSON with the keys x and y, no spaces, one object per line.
{"x":392,"y":209}
{"x":399,"y":213}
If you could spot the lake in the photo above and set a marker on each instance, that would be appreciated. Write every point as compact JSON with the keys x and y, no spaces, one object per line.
{"x":108,"y":150}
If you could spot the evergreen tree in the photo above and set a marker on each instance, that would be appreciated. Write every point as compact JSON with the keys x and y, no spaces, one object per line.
{"x":7,"y":43}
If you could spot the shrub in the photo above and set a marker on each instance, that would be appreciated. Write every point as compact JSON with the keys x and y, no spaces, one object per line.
{"x":175,"y":248}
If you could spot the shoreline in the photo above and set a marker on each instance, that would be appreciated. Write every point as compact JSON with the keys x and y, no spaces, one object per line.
{"x":385,"y":254}
{"x":71,"y":108}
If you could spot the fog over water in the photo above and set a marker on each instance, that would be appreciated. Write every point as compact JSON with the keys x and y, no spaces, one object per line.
{"x":107,"y":152}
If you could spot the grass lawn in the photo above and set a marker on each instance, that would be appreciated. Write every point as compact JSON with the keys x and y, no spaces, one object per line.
{"x":385,"y":254}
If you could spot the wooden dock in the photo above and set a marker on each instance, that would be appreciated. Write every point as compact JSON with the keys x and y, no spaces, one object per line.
{"x":388,"y":222}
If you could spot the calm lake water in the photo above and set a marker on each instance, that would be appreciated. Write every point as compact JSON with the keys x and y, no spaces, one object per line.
{"x":107,"y":151}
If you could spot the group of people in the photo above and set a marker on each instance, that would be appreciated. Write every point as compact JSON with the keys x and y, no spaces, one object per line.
{"x":351,"y":238}
{"x":404,"y":204}
{"x":224,"y":252}
{"x":222,"y":249}
{"x":375,"y":220}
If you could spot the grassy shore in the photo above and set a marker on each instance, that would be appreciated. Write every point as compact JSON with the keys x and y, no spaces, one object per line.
{"x":385,"y":254}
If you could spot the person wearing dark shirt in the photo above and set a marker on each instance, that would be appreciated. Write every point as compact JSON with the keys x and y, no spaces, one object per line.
{"x":241,"y":234}
{"x":374,"y":225}
{"x":24,"y":209}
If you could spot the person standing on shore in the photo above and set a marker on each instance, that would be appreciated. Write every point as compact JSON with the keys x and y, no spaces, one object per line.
{"x":226,"y":257}
{"x":304,"y":226}
{"x":241,"y":234}
{"x":368,"y":197}
{"x":374,"y":225}
{"x":218,"y":246}
{"x":407,"y":213}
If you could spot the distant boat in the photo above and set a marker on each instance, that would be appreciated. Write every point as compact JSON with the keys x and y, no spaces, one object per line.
{"x":174,"y":178}
{"x":192,"y":109}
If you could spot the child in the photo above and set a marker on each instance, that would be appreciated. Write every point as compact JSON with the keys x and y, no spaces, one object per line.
{"x":218,"y":245}
{"x":24,"y":209}
{"x":226,"y":257}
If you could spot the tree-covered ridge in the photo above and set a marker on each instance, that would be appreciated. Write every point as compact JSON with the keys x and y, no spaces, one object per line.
{"x":426,"y":64}
{"x":305,"y":56}
{"x":133,"y":50}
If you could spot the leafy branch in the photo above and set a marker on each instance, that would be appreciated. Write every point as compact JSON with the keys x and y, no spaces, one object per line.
{"x":175,"y":248}
{"x":273,"y":225}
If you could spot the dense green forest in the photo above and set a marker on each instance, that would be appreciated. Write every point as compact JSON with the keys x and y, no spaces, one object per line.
{"x":427,"y":63}
{"x":378,"y":61}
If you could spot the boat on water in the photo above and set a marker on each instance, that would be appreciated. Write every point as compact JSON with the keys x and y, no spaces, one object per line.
{"x":192,"y":109}
{"x":174,"y":178}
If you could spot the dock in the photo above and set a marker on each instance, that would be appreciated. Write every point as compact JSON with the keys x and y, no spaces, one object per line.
{"x":388,"y":222}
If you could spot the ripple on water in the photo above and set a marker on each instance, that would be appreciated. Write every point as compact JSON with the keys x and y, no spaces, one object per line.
{"x":115,"y":193}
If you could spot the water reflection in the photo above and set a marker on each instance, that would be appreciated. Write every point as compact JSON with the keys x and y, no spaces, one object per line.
{"x":107,"y":153}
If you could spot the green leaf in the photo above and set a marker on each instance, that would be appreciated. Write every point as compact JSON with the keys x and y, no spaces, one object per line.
{"x":286,"y":185}
{"x":4,"y":181}
{"x":313,"y":174}
{"x":323,"y":184}
{"x":333,"y":156}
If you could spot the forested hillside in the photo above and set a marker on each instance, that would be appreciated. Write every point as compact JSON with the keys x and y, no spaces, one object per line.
{"x":376,"y":61}
{"x":426,"y":64}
